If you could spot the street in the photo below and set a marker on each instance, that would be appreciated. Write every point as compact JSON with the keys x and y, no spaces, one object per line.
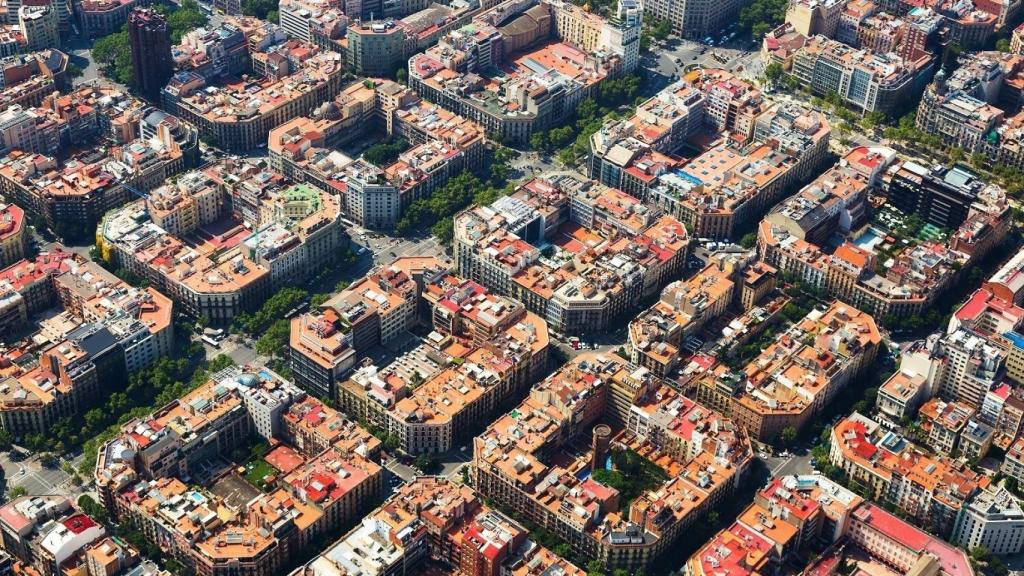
{"x":674,"y":58}
{"x":794,"y":464}
{"x":37,"y":479}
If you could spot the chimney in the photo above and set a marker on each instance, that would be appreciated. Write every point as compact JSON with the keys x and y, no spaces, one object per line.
{"x":602,"y":439}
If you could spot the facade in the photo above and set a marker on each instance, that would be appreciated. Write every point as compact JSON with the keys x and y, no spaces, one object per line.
{"x":693,"y":19}
{"x":658,"y":334}
{"x":486,"y":349}
{"x":758,"y":152}
{"x":72,"y":194}
{"x":318,"y":491}
{"x":869,"y":81}
{"x":514,"y":465}
{"x":238,"y":116}
{"x":443,"y":145}
{"x":433,"y":519}
{"x":99,"y":18}
{"x":932,"y":489}
{"x":101,"y":330}
{"x":623,"y":250}
{"x":375,"y":310}
{"x":522,"y":101}
{"x":795,"y":377}
{"x":26,"y":79}
{"x":150,"y":40}
{"x":12,"y":234}
{"x":920,"y":271}
{"x":993,"y":520}
{"x":40,"y":27}
{"x":294,"y":231}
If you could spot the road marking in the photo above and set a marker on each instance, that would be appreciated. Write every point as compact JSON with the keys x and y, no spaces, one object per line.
{"x":781,"y":465}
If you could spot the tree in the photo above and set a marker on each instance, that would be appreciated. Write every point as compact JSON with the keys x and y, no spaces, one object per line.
{"x":788,"y":435}
{"x":274,"y":339}
{"x":978,"y":161}
{"x":1011,"y":484}
{"x":318,"y":299}
{"x":113,"y":53}
{"x":258,"y":8}
{"x":539,"y":140}
{"x":749,"y":240}
{"x":773,"y":72}
{"x":401,"y":75}
{"x":6,"y":440}
{"x":444,"y":230}
{"x":386,"y":152}
{"x":595,"y":568}
{"x":72,"y":71}
{"x":16,"y":492}
{"x":1003,"y":44}
{"x":274,"y":16}
{"x":92,"y":508}
{"x":660,"y":28}
{"x":185,"y":18}
{"x":220,"y":362}
{"x":424,"y":462}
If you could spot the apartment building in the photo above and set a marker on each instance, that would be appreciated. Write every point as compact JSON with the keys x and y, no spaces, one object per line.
{"x":942,"y":196}
{"x":239,"y":114}
{"x":46,"y":534}
{"x":765,"y":149}
{"x":72,"y":194}
{"x":138,"y":476}
{"x":101,"y":329}
{"x":611,"y":236}
{"x":213,"y":53}
{"x":99,"y":18}
{"x":685,"y":306}
{"x":662,"y":123}
{"x":375,"y":310}
{"x":789,"y":515}
{"x":973,"y":367}
{"x":992,"y":519}
{"x":292,"y":231}
{"x":319,"y":22}
{"x":795,"y":514}
{"x":514,"y":464}
{"x":488,"y":349}
{"x":872,"y":82}
{"x":435,"y":519}
{"x":12,"y":234}
{"x":932,"y":489}
{"x":796,"y":376}
{"x":521,"y":101}
{"x":920,"y":271}
{"x":26,"y":79}
{"x":945,"y":422}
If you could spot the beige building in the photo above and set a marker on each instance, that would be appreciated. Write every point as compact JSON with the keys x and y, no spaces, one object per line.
{"x":795,"y":377}
{"x":12,"y":234}
{"x":40,"y":26}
